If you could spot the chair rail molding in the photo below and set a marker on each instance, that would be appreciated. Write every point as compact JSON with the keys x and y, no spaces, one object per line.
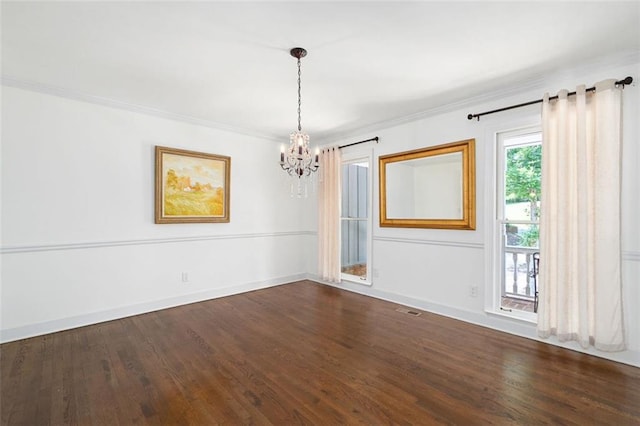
{"x":145,"y":241}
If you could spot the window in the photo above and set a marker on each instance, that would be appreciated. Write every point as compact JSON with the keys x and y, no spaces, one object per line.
{"x":355,"y":225}
{"x":517,"y":221}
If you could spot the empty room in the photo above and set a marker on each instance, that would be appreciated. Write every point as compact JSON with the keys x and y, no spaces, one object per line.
{"x":321,"y":213}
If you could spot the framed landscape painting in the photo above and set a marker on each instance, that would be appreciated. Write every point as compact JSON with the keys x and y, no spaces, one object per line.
{"x":191,"y":187}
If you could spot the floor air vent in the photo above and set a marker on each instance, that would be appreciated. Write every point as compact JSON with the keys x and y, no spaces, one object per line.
{"x":408,"y":311}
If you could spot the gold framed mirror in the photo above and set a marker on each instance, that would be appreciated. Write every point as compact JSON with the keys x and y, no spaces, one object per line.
{"x":433,"y":187}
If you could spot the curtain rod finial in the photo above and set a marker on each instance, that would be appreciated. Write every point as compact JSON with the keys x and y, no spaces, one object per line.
{"x":626,"y":81}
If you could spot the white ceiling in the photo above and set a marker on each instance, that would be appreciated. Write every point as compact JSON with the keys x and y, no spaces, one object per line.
{"x":227,"y":64}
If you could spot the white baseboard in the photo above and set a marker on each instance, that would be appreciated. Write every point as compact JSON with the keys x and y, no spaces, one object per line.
{"x":495,"y":322}
{"x":38,"y":329}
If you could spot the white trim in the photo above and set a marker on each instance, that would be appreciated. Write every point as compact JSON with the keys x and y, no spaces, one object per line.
{"x":356,"y":279}
{"x":515,"y":314}
{"x":353,"y":156}
{"x":513,"y":326}
{"x":631,"y":255}
{"x":100,"y":244}
{"x":141,"y":109}
{"x":431,"y":112}
{"x":328,"y":137}
{"x":37,"y":329}
{"x":541,"y":83}
{"x":464,"y":244}
{"x":495,"y":274}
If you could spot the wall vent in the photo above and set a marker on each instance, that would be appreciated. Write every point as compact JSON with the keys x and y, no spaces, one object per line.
{"x":408,"y":311}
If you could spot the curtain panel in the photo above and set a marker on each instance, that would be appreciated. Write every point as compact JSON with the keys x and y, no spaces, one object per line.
{"x":329,"y":215}
{"x":580,"y":265}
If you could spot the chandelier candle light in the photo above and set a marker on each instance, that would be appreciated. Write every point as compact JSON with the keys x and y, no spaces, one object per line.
{"x":297,"y":160}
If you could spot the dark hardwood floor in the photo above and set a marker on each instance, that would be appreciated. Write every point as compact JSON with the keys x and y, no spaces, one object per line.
{"x":304,"y":353}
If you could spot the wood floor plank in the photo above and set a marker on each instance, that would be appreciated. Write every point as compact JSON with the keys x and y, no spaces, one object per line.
{"x":307,"y":354}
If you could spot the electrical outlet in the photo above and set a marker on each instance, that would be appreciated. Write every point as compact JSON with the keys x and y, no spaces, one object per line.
{"x":473,"y":291}
{"x":376,"y":273}
{"x":185,"y":277}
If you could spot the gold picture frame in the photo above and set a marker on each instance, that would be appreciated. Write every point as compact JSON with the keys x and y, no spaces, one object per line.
{"x":433,"y":187}
{"x":191,"y":187}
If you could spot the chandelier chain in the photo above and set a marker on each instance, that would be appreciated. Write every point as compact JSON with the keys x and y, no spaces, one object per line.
{"x":299,"y":97}
{"x":297,"y":160}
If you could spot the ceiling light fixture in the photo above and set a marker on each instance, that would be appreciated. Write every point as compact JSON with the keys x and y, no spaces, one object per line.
{"x":297,"y":160}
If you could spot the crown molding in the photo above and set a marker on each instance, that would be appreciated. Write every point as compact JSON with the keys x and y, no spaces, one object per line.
{"x":541,"y":82}
{"x":113,"y":103}
{"x":437,"y":110}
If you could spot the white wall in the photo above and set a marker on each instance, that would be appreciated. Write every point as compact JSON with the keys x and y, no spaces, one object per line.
{"x":433,"y":269}
{"x":79,"y":244}
{"x":78,"y":240}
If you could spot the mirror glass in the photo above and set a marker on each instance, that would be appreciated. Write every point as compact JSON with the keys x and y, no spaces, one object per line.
{"x":429,"y":188}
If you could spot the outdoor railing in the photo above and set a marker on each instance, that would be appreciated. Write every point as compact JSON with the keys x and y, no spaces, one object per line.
{"x":519,"y":276}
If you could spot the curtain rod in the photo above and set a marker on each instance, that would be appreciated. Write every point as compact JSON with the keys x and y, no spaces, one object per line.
{"x":622,"y":83}
{"x":356,"y":143}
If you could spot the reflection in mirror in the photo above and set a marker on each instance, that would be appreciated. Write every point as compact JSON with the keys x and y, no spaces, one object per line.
{"x":429,"y":188}
{"x":439,"y":181}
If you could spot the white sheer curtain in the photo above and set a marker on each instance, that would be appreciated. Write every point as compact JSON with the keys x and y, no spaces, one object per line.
{"x":329,"y":215}
{"x":580,"y":265}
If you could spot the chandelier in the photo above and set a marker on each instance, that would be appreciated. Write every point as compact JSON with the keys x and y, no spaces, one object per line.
{"x":297,"y":160}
